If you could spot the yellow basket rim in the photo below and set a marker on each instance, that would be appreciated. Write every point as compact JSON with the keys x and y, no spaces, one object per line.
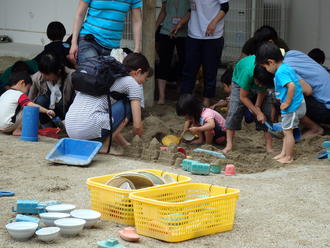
{"x":135,"y":197}
{"x":118,"y":190}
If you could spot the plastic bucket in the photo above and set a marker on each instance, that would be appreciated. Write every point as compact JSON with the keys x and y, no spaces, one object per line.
{"x":30,"y":123}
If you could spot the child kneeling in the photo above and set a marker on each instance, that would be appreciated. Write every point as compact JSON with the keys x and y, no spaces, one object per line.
{"x":206,"y":123}
{"x":13,"y":100}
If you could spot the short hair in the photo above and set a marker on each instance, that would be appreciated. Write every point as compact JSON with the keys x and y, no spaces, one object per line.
{"x":15,"y":77}
{"x":56,"y":31}
{"x":189,"y":105}
{"x":264,"y":77}
{"x":318,"y":55}
{"x":135,"y":61}
{"x":226,"y":77}
{"x":268,"y":51}
{"x":20,"y":66}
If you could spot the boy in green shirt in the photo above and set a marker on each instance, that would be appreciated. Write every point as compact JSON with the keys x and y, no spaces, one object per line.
{"x":244,"y":88}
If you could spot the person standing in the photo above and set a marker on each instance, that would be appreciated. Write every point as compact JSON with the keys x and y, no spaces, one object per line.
{"x":103,"y":27}
{"x":204,"y":44}
{"x":170,"y":14}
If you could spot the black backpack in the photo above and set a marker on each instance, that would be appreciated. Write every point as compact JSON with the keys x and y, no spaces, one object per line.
{"x":96,"y":75}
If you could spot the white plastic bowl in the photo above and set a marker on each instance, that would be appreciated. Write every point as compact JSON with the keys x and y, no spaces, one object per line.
{"x":70,"y":226}
{"x":49,"y":218}
{"x":21,"y":231}
{"x":91,"y":216}
{"x":48,"y":234}
{"x":61,"y":208}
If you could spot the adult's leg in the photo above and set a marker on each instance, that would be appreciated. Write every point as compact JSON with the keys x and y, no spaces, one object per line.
{"x":212,"y":50}
{"x":43,"y":101}
{"x":180,"y":45}
{"x":166,"y":49}
{"x":193,"y":60}
{"x":88,"y":48}
{"x":316,"y":114}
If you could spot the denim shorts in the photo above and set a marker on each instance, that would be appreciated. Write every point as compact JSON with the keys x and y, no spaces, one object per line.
{"x":88,"y":47}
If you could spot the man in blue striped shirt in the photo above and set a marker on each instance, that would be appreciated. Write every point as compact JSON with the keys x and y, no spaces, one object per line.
{"x":103,"y":27}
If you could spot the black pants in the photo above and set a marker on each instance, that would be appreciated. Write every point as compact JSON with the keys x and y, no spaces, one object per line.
{"x":166,"y":51}
{"x":317,"y":111}
{"x":206,"y":53}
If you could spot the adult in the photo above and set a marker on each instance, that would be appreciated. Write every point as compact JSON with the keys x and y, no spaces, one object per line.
{"x":103,"y":27}
{"x":263,"y":34}
{"x":52,"y":87}
{"x":318,"y":103}
{"x":204,"y":44}
{"x":170,"y":14}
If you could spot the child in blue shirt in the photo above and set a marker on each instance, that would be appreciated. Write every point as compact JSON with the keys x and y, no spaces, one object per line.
{"x":288,"y":90}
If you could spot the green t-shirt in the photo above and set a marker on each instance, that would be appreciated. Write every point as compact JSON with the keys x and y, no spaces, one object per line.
{"x":175,"y":9}
{"x":243,"y":73}
{"x":4,"y":78}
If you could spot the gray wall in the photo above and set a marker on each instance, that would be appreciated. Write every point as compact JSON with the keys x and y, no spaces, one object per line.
{"x":309,"y":26}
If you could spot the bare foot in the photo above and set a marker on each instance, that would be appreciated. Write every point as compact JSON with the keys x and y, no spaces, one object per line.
{"x":17,"y":132}
{"x":226,"y":150}
{"x":270,"y":150}
{"x":279,"y":156}
{"x":161,"y":102}
{"x":116,"y":151}
{"x":285,"y":160}
{"x":315,"y":131}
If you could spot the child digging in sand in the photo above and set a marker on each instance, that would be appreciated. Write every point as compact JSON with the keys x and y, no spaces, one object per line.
{"x":207,"y":123}
{"x":88,"y":116}
{"x":289,"y":91}
{"x":13,"y":100}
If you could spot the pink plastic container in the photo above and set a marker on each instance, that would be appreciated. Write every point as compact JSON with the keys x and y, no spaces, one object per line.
{"x":230,"y":170}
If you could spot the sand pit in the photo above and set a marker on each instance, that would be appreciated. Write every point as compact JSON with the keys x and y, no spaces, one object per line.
{"x":249,"y":154}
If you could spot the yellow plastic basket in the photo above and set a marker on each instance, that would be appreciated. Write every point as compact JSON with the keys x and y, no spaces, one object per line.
{"x":183,"y":212}
{"x":113,"y":203}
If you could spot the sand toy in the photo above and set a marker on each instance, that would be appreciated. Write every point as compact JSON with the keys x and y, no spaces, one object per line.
{"x":6,"y":193}
{"x":170,"y":139}
{"x":109,"y":243}
{"x":74,"y":152}
{"x":213,"y":153}
{"x":129,"y":234}
{"x":29,"y":207}
{"x":230,"y":170}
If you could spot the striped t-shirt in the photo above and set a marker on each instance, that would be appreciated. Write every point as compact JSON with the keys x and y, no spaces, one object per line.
{"x":88,"y":115}
{"x":106,"y":20}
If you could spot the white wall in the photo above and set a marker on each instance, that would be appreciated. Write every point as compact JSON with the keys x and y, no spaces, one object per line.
{"x":309,"y":26}
{"x":25,"y":21}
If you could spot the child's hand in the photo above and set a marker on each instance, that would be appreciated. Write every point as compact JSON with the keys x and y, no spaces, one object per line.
{"x":50,"y":113}
{"x":261,"y":117}
{"x":284,"y":105}
{"x":138,"y":131}
{"x":194,"y":130}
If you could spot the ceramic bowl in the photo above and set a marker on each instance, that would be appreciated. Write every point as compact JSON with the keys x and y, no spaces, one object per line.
{"x":90,"y":216}
{"x":49,"y":218}
{"x":48,"y":234}
{"x":61,"y":208}
{"x":70,"y":226}
{"x":188,"y":136}
{"x":21,"y":231}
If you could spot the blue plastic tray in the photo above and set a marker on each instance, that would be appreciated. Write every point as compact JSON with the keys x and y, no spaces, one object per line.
{"x":74,"y":152}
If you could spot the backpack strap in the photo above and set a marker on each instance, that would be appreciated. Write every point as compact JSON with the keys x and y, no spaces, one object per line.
{"x":110,"y":120}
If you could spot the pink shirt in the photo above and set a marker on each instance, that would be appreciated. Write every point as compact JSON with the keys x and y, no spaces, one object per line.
{"x":208,"y":113}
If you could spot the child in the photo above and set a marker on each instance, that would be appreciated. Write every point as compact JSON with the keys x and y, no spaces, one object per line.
{"x":13,"y":100}
{"x":288,"y":90}
{"x":226,"y":80}
{"x":55,"y":33}
{"x":204,"y":122}
{"x":243,"y":90}
{"x":88,"y":116}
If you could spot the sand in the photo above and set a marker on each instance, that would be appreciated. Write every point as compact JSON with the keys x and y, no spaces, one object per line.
{"x":283,"y":207}
{"x":248,"y":156}
{"x":6,"y":61}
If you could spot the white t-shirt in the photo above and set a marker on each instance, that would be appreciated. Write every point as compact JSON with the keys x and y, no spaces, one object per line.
{"x":202,"y":13}
{"x":11,"y":102}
